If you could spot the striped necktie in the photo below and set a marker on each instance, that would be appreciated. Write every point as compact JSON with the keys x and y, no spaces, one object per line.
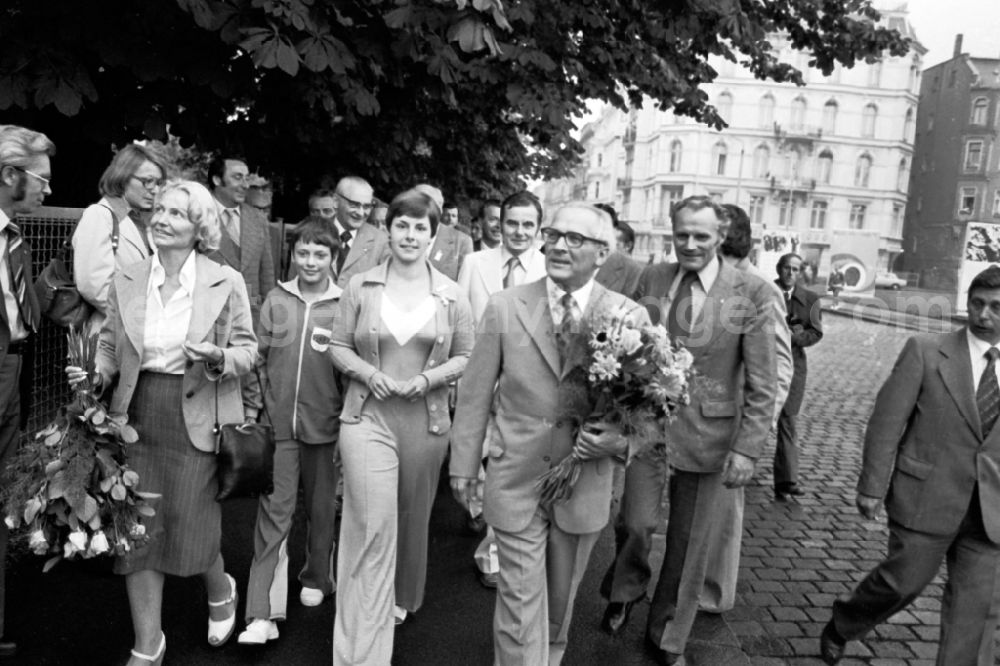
{"x":988,"y":393}
{"x":508,"y":275}
{"x":15,"y":262}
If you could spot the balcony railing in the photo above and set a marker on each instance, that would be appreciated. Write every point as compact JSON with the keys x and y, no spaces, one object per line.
{"x":792,"y":185}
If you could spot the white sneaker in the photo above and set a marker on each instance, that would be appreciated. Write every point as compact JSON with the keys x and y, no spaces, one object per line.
{"x":310,"y":596}
{"x":258,"y":632}
{"x":400,"y":613}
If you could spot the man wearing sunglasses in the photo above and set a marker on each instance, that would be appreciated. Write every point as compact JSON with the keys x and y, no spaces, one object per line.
{"x":246,"y":241}
{"x":518,"y":371}
{"x":25,"y":175}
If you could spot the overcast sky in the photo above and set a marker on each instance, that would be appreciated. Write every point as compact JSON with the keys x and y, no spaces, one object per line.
{"x":936,"y":23}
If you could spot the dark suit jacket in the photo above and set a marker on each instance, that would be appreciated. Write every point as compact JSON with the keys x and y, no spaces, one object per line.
{"x":733,"y":392}
{"x":449,"y":250}
{"x":252,"y":258}
{"x":805,"y":322}
{"x":620,"y":273}
{"x":924,"y":451}
{"x":27,"y":366}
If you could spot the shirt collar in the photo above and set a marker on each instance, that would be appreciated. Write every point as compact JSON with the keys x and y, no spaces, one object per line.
{"x":158,"y":275}
{"x":235,"y":210}
{"x":708,"y":273}
{"x":977,"y":346}
{"x":581,"y":296}
{"x":341,"y":229}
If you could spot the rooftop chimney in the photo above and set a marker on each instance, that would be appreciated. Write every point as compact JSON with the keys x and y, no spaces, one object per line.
{"x":958,"y":45}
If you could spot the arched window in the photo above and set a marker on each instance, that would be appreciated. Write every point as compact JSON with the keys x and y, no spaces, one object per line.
{"x":830,"y":117}
{"x":675,"y":155}
{"x":979,"y":108}
{"x":824,"y":166}
{"x":863,"y":171}
{"x":908,"y":125}
{"x":761,"y":161}
{"x":868,"y":117}
{"x":765,"y":111}
{"x":798,"y":119}
{"x":725,"y":107}
{"x":903,"y":176}
{"x":719,"y":154}
{"x":914,"y":78}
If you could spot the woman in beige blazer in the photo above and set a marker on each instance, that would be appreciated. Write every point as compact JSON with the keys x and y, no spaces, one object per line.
{"x":178,"y":331}
{"x":128,"y":185}
{"x":404,"y":334}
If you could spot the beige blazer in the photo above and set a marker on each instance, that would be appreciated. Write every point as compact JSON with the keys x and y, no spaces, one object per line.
{"x":94,"y":260}
{"x":516,"y":352}
{"x":481,"y":275}
{"x":221,"y":315}
{"x":369,"y":249}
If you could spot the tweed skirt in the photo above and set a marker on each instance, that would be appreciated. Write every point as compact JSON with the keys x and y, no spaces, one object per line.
{"x":186,"y":532}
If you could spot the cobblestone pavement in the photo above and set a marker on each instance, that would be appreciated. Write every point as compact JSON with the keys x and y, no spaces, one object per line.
{"x":799,"y":556}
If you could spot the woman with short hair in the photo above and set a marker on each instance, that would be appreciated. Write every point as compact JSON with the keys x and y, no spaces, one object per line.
{"x":178,"y":336}
{"x":128,"y":187}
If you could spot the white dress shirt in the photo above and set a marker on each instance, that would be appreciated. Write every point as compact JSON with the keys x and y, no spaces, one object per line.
{"x":518,"y":270}
{"x":11,"y":307}
{"x":581,"y":297}
{"x":167,"y":324}
{"x":977,"y":354}
{"x":699,"y":288}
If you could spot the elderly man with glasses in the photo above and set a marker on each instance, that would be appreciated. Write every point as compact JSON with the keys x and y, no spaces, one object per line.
{"x":519,"y":372}
{"x":362,"y":246}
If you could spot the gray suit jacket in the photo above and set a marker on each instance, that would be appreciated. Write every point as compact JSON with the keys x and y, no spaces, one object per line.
{"x":252,"y":258}
{"x":449,"y":250}
{"x":733,"y":392}
{"x":516,"y":353}
{"x":370,"y":248}
{"x":924,"y":451}
{"x":620,"y":273}
{"x":221,"y":316}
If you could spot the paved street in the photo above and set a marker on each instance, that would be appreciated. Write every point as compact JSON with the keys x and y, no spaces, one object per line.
{"x":796,"y":558}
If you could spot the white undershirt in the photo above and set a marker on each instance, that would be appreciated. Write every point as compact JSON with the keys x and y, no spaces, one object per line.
{"x":167,"y":324}
{"x":404,"y":324}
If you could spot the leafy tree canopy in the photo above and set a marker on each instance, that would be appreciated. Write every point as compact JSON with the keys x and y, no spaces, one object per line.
{"x":473,"y":95}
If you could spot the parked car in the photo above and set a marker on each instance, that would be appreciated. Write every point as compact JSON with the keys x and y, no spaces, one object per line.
{"x":889,"y":281}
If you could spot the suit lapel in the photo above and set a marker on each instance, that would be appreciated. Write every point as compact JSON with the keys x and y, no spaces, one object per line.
{"x":536,"y":317}
{"x":363,"y":242}
{"x":956,"y":373}
{"x":131,"y":292}
{"x":711,"y":312}
{"x":210,"y":296}
{"x":247,"y":239}
{"x":229,"y":252}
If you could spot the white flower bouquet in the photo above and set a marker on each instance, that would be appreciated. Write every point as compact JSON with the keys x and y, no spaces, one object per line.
{"x":636,"y":378}
{"x":69,"y":491}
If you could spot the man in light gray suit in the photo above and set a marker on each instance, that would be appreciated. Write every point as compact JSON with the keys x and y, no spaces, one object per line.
{"x":362,"y":246}
{"x":724,"y":317}
{"x":543,"y":548}
{"x":246,"y":242}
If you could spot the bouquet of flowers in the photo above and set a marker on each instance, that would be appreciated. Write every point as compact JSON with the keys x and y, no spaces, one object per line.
{"x":636,"y":378}
{"x":70,"y":489}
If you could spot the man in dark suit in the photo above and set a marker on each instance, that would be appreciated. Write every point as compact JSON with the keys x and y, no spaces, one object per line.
{"x":246,"y":242}
{"x":619,"y":273}
{"x":932,"y":452}
{"x":24,"y":184}
{"x":722,"y":315}
{"x":805,"y":323}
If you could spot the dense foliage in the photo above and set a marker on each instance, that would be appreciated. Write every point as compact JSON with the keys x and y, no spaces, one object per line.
{"x":470,"y":94}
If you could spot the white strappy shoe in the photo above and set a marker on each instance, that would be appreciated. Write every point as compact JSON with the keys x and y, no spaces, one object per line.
{"x":155,"y":659}
{"x":219,"y":631}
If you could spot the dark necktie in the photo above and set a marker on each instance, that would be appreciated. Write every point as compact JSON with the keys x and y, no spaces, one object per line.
{"x":345,"y":248}
{"x":15,"y":262}
{"x":681,"y":310}
{"x":988,"y":393}
{"x":508,"y":274}
{"x":567,"y":326}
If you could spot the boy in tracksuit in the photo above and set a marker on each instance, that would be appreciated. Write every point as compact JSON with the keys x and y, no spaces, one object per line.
{"x":302,"y":396}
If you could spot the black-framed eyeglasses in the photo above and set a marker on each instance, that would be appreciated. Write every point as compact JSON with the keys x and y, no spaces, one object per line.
{"x":46,"y":182}
{"x":573,"y":239}
{"x":351,"y":203}
{"x":151,"y":182}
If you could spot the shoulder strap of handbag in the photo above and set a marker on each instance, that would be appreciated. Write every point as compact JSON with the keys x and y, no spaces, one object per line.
{"x":263,"y":400}
{"x":115,"y":235}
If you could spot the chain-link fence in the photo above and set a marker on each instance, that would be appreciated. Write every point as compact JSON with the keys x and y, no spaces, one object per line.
{"x":45,"y":231}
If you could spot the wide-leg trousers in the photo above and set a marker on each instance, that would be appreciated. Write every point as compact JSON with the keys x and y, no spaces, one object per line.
{"x":391,"y":473}
{"x":314,"y":466}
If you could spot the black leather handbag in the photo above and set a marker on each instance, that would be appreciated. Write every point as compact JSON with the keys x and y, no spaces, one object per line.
{"x":245,"y":455}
